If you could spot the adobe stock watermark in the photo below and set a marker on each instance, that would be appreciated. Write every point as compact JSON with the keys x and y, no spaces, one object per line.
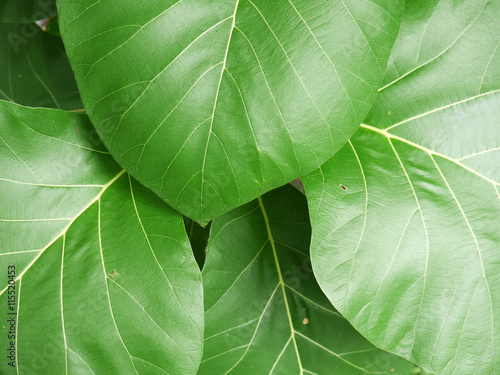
{"x":11,"y":315}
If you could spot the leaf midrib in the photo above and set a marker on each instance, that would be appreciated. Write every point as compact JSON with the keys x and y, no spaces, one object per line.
{"x":431,"y":152}
{"x":233,"y":25}
{"x":281,"y":282}
{"x":66,"y":228}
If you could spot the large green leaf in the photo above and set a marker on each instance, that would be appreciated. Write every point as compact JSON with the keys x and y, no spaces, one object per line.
{"x":26,"y":10}
{"x":211,"y":104}
{"x":34,"y":68}
{"x":106,"y":282}
{"x":265,"y":313}
{"x":406,"y":218}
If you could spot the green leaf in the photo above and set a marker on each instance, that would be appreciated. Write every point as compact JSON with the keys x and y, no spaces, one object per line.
{"x":34,"y":68}
{"x":265,"y":313}
{"x":24,"y":11}
{"x":406,"y":217}
{"x":211,"y":104}
{"x":105,"y":280}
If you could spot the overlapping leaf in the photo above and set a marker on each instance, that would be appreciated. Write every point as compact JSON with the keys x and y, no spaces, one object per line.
{"x":34,"y":68}
{"x":265,"y":313}
{"x":406,"y":218}
{"x":211,"y":104}
{"x":105,"y":278}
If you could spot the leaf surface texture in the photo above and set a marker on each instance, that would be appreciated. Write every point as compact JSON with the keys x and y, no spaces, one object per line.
{"x":211,"y":104}
{"x":406,"y":217}
{"x":105,"y":278}
{"x":265,"y":313}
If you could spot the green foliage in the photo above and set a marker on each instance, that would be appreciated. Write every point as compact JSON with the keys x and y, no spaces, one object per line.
{"x":155,"y":232}
{"x":261,"y":64}
{"x":258,"y":255}
{"x":89,"y":223}
{"x":421,"y":212}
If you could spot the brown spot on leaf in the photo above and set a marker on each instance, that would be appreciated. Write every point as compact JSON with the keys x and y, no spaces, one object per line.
{"x":305,"y":321}
{"x":343,"y":187}
{"x":114,"y":274}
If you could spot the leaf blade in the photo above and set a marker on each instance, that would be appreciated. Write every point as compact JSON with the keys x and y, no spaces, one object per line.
{"x":276,"y":319}
{"x":429,"y":206}
{"x":34,"y":68}
{"x":101,"y":309}
{"x":242,"y":68}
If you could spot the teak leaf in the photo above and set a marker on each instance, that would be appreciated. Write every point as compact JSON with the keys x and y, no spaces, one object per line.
{"x":265,"y":313}
{"x":105,"y":280}
{"x":210,"y":104}
{"x":34,"y":69}
{"x":406,"y":217}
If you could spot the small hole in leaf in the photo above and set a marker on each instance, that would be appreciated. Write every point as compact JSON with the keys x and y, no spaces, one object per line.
{"x":343,"y":187}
